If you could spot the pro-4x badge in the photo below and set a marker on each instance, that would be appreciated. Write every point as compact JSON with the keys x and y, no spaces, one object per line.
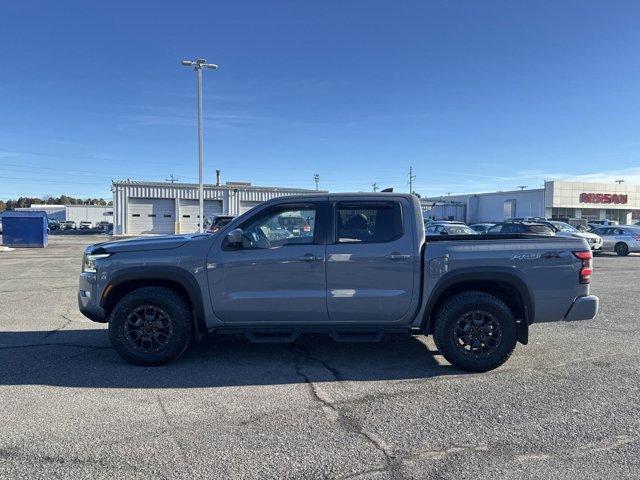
{"x":526,"y":256}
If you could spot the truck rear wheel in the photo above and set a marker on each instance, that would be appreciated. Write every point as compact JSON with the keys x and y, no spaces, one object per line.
{"x":150,"y":326}
{"x":475,"y":331}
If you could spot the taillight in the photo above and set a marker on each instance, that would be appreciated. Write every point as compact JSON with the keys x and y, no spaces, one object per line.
{"x":587,"y":269}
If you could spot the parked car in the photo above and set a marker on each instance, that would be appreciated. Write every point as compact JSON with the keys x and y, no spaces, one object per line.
{"x":602,"y":223}
{"x":104,"y":226}
{"x":448,"y":228}
{"x":622,"y":239}
{"x":564,"y":229}
{"x":365,"y":270}
{"x":53,"y":224}
{"x":481,"y":227}
{"x":216,"y":222}
{"x":69,"y":225}
{"x":85,"y":225}
{"x":522,"y":227}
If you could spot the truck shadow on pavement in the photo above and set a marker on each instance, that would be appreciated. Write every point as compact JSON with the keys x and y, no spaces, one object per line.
{"x":85,"y":358}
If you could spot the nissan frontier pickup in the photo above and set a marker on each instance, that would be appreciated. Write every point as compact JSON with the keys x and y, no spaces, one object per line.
{"x":354,"y":266}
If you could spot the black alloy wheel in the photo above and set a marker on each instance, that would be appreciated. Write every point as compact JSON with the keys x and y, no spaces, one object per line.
{"x":477,"y":333}
{"x":148,"y":329}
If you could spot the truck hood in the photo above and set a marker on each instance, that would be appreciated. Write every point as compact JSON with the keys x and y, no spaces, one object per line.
{"x":165,"y":242}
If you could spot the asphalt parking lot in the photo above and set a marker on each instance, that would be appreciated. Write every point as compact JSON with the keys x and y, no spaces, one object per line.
{"x":565,"y":406}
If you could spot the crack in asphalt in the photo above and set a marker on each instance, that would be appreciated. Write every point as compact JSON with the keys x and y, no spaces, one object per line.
{"x":603,"y":445}
{"x":55,"y":330}
{"x":16,"y":453}
{"x":347,"y":422}
{"x":170,"y":432}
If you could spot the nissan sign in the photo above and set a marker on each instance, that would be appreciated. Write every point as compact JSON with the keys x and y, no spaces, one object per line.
{"x":602,"y":198}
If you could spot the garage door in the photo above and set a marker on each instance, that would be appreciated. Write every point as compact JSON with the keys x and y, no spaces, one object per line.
{"x":150,"y":215}
{"x":247,"y":205}
{"x":189,"y":210}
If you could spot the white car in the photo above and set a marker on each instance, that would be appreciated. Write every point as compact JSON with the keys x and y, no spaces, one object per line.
{"x":564,"y":229}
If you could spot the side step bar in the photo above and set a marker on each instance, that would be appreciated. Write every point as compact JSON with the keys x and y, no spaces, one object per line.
{"x":278,"y":335}
{"x":272,"y":336}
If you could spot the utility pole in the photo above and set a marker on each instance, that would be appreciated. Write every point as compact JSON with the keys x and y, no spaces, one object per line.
{"x":172,"y":179}
{"x":198,"y":65}
{"x":375,"y":187}
{"x":412,"y":177}
{"x":316,"y":178}
{"x":522,"y":187}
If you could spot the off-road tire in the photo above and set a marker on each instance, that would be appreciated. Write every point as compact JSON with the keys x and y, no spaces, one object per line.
{"x":177,"y":310}
{"x":446,"y":337}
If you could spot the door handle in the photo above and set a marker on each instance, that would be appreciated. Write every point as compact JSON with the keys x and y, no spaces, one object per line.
{"x":308,"y":258}
{"x":398,"y":256}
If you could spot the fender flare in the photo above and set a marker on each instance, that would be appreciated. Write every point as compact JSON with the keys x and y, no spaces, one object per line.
{"x":163,"y":273}
{"x":504,"y":275}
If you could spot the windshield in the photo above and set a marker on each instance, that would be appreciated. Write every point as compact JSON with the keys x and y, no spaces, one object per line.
{"x":564,"y":227}
{"x":460,"y":230}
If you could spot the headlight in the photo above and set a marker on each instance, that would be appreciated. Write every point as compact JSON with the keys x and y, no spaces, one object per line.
{"x":89,"y":263}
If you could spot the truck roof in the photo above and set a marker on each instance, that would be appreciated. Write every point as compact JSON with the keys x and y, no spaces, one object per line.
{"x":355,"y":195}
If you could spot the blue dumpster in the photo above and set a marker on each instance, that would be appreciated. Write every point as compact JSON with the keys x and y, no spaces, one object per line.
{"x":24,"y":229}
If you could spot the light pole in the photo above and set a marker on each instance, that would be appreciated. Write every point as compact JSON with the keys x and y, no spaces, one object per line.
{"x":198,"y":64}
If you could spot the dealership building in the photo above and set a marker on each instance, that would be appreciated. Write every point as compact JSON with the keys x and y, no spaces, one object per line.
{"x":163,"y":207}
{"x":560,"y":200}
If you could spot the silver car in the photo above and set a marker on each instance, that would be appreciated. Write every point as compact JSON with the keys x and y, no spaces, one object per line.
{"x":622,"y":239}
{"x":564,"y":229}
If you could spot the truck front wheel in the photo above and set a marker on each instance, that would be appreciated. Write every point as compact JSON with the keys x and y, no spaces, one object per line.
{"x":150,"y":326}
{"x":475,"y":331}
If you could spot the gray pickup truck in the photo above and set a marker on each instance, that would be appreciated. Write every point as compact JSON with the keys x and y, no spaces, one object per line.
{"x":355,"y":266}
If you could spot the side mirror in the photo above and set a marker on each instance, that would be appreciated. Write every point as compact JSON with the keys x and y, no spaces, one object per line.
{"x":443,"y":232}
{"x":234,"y":237}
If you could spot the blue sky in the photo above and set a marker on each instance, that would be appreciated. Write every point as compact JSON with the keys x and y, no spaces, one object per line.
{"x":474,"y":95}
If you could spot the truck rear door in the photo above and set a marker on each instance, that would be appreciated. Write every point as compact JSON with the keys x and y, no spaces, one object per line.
{"x":371,"y":257}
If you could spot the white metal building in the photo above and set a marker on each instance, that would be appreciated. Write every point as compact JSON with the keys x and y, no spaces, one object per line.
{"x":164,"y":208}
{"x":54,"y":212}
{"x":77,"y":213}
{"x":562,"y":200}
{"x":89,"y":213}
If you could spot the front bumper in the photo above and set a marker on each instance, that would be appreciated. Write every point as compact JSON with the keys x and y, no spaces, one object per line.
{"x":88,"y":298}
{"x":583,"y":308}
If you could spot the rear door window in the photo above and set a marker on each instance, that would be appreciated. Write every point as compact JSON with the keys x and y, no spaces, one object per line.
{"x":368,"y":222}
{"x":543,"y":229}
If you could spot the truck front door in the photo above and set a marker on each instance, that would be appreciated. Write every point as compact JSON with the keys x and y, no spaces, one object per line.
{"x":278,"y":274}
{"x":371,"y":261}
